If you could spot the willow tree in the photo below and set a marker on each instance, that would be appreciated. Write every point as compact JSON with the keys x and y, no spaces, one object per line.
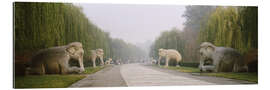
{"x":235,"y":27}
{"x":42,"y":25}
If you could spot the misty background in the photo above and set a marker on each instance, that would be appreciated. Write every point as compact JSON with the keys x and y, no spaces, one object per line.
{"x":136,"y":24}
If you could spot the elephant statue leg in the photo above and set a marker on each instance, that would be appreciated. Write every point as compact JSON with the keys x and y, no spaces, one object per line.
{"x":159,"y":61}
{"x":94,"y":61}
{"x":201,"y":64}
{"x":101,"y":60}
{"x":177,"y":63}
{"x":39,"y":70}
{"x":64,"y":70}
{"x":81,"y":64}
{"x":167,"y":62}
{"x":53,"y":67}
{"x":235,"y":68}
{"x":217,"y":65}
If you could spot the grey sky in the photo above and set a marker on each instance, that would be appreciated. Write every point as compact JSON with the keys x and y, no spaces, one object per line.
{"x":134,"y":23}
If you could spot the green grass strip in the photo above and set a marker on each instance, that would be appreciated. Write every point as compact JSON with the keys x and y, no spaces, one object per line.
{"x":252,"y":77}
{"x":247,"y":76}
{"x":52,"y":81}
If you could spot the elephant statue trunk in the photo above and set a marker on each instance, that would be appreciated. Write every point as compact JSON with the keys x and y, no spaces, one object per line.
{"x":81,"y":64}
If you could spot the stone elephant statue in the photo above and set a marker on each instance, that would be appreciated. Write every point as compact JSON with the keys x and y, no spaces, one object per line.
{"x":153,"y":61}
{"x":98,"y":53}
{"x":108,"y":62}
{"x":222,"y":59}
{"x":169,"y":54}
{"x":55,"y":60}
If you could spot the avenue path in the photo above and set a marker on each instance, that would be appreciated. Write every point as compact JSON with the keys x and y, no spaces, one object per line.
{"x":148,"y":75}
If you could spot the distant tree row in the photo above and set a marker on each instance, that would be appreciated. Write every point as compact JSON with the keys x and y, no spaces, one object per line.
{"x":125,"y":51}
{"x":235,"y":27}
{"x":43,"y":25}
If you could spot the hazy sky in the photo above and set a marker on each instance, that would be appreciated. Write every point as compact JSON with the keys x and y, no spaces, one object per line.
{"x":134,"y":23}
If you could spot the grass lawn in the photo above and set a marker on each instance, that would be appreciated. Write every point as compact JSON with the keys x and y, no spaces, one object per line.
{"x":52,"y":81}
{"x":252,"y":77}
{"x":91,"y":70}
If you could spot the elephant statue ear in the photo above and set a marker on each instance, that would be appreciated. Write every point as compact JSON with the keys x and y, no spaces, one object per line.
{"x":211,"y":48}
{"x":71,"y":50}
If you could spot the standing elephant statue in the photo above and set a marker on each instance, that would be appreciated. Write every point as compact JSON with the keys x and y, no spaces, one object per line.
{"x":169,"y":54}
{"x":223,"y":59}
{"x":55,"y":60}
{"x":97,"y":53}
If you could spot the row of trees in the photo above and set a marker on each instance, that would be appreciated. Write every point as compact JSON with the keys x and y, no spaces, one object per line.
{"x":126,"y":51}
{"x":43,"y":25}
{"x":235,"y":27}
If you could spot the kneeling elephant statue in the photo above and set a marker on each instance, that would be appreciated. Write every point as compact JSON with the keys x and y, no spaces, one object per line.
{"x":55,"y":60}
{"x":169,"y":54}
{"x":223,"y":59}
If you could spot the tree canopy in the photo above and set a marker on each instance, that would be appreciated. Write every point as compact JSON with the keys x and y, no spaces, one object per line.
{"x":43,"y":25}
{"x":235,"y":27}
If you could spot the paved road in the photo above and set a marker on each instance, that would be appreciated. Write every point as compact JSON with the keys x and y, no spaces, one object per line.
{"x":108,"y":77}
{"x":148,"y":75}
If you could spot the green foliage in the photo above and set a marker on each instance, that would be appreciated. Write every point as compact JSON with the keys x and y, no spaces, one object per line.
{"x":90,"y":70}
{"x":252,"y":77}
{"x":168,"y":40}
{"x":52,"y":81}
{"x":41,"y":25}
{"x":235,"y":27}
{"x":189,"y":64}
{"x":185,"y":41}
{"x":124,"y":51}
{"x":46,"y":81}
